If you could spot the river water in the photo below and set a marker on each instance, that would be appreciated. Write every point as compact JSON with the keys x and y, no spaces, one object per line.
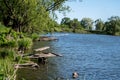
{"x":94,"y":57}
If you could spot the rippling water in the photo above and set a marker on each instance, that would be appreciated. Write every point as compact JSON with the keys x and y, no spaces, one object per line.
{"x":94,"y":57}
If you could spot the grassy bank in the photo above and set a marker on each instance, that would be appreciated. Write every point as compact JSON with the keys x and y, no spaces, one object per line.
{"x":11,"y":43}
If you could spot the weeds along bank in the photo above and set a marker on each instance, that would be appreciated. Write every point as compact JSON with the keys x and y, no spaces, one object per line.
{"x":11,"y":45}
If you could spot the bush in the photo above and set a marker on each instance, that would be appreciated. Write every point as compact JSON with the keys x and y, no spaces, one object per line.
{"x":3,"y":53}
{"x":24,"y":43}
{"x":10,"y":44}
{"x":57,"y":29}
{"x":3,"y":29}
{"x":34,"y":36}
{"x":7,"y":52}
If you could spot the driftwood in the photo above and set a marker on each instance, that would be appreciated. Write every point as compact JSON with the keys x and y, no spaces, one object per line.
{"x":26,"y":65}
{"x":45,"y":55}
{"x":41,"y":49}
{"x":40,"y":56}
{"x":57,"y":54}
{"x":47,"y":38}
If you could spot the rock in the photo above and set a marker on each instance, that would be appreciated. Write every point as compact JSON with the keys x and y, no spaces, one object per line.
{"x":75,"y":75}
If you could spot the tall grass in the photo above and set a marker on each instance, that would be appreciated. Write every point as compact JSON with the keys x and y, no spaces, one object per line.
{"x":9,"y":42}
{"x":25,"y":43}
{"x":34,"y":36}
{"x":7,"y":70}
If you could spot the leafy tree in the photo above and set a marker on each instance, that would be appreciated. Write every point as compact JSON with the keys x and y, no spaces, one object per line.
{"x":87,"y":23}
{"x":75,"y":24}
{"x":99,"y":24}
{"x":112,"y":26}
{"x":52,"y":5}
{"x":71,"y":24}
{"x":65,"y":21}
{"x":28,"y":15}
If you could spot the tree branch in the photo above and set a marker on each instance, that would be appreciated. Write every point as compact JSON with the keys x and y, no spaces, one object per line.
{"x":7,"y":6}
{"x":54,"y":5}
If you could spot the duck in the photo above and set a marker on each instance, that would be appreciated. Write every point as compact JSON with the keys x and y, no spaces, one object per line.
{"x":75,"y":75}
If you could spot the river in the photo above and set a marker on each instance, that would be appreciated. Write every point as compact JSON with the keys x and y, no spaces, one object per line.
{"x":94,"y":57}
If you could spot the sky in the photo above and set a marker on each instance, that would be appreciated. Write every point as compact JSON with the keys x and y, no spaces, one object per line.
{"x":94,"y":9}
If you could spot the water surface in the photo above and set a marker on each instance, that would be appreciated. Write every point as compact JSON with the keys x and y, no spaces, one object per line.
{"x":94,"y":57}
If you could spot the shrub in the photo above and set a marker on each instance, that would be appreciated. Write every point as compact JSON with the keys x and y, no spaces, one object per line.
{"x":3,"y":53}
{"x":24,"y":43}
{"x":3,"y":29}
{"x":10,"y":44}
{"x":6,"y":53}
{"x":34,"y":36}
{"x":57,"y":29}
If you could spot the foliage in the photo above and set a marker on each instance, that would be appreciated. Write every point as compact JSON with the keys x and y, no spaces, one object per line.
{"x":3,"y":29}
{"x":25,"y":43}
{"x":23,"y":16}
{"x":57,"y":29}
{"x":34,"y":36}
{"x":74,"y":24}
{"x":53,"y":5}
{"x":8,"y":44}
{"x":6,"y":53}
{"x":65,"y":21}
{"x":112,"y":26}
{"x":29,"y":15}
{"x":99,"y":24}
{"x":87,"y":23}
{"x":7,"y":70}
{"x":7,"y":38}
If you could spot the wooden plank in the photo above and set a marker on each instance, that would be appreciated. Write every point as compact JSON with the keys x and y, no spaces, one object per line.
{"x":41,"y":49}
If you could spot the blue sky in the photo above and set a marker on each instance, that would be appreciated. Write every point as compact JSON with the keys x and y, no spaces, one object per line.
{"x":93,"y":9}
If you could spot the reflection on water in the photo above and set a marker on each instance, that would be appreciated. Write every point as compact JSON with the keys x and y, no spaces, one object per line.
{"x":94,"y":57}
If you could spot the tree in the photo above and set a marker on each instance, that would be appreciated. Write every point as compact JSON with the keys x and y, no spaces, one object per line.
{"x":112,"y":26}
{"x":75,"y":24}
{"x":87,"y":23}
{"x":65,"y":21}
{"x":16,"y":13}
{"x":52,"y":5}
{"x":28,"y":15}
{"x":71,"y":24}
{"x":99,"y":24}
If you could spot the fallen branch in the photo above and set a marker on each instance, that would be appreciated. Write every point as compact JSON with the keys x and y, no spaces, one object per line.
{"x":33,"y":65}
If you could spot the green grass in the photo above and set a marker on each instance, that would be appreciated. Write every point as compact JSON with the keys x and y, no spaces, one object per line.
{"x":25,"y":43}
{"x":7,"y":70}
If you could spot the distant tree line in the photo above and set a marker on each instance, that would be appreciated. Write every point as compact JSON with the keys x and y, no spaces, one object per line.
{"x":111,"y":26}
